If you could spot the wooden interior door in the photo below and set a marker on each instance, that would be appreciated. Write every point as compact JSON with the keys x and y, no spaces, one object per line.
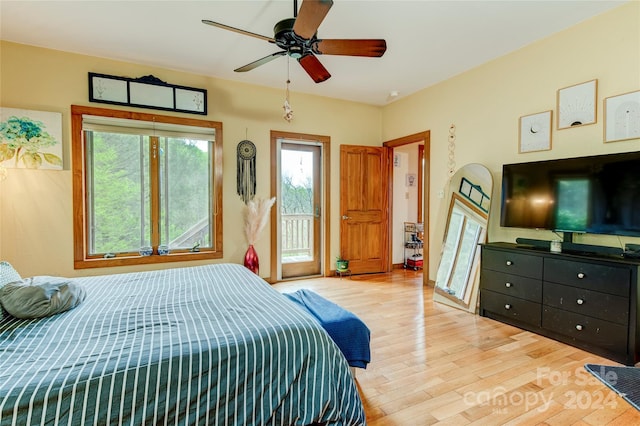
{"x":364,"y":208}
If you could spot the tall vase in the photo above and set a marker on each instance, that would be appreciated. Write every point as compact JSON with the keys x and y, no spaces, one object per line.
{"x":251,"y":261}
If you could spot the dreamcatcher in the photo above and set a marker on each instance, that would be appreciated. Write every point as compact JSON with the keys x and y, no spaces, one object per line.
{"x":246,"y":172}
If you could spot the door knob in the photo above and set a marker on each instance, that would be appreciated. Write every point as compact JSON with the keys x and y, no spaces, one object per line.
{"x":345,"y":217}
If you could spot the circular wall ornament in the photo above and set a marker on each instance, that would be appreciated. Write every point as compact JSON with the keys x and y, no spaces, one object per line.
{"x":246,"y":150}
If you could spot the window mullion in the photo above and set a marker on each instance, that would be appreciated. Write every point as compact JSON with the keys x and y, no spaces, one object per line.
{"x":154,"y":182}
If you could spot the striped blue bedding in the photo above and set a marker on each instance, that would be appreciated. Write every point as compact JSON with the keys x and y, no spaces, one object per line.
{"x":206,"y":345}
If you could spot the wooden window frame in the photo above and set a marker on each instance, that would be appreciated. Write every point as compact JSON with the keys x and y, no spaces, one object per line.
{"x":82,"y":260}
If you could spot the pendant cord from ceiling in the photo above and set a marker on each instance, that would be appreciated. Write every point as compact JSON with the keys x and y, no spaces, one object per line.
{"x":288,"y":112}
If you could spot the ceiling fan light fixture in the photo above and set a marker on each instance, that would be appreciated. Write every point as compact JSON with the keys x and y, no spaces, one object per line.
{"x":296,"y":52}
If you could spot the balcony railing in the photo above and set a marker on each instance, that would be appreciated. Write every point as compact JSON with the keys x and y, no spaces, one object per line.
{"x":297,"y":237}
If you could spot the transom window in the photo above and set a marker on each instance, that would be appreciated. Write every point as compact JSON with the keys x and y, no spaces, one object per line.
{"x":147,"y":188}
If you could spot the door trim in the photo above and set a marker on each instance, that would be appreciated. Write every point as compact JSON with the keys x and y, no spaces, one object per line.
{"x":325,"y":142}
{"x":424,"y":137}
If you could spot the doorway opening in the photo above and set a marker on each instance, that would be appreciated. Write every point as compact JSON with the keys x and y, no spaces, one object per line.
{"x":300,"y":225}
{"x":403,"y":176}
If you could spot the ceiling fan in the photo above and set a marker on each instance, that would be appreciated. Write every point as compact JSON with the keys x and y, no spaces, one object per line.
{"x":298,"y":38}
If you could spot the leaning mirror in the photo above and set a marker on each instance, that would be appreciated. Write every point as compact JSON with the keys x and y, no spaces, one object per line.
{"x":465,"y":229}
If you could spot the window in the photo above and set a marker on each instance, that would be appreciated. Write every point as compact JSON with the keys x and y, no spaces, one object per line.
{"x":143,"y":185}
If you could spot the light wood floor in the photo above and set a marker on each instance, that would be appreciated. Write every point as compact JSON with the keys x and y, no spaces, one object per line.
{"x":433,"y":364}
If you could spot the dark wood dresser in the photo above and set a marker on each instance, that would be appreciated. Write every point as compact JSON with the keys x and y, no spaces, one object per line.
{"x":588,"y":301}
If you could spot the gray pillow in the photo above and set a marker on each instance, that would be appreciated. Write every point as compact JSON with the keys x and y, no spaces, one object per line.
{"x":40,"y":296}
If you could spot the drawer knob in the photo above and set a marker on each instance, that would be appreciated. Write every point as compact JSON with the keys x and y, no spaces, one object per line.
{"x":581,"y":275}
{"x":579,"y":327}
{"x":509,"y":263}
{"x":507,"y":306}
{"x":507,"y":285}
{"x":579,"y":301}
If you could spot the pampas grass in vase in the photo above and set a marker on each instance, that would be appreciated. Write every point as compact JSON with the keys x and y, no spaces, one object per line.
{"x":255,"y":218}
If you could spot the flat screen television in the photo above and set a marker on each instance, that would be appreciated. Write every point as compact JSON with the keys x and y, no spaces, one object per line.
{"x":597,"y":194}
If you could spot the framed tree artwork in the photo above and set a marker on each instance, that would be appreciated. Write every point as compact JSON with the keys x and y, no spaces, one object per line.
{"x":30,"y":139}
{"x":535,"y":132}
{"x":577,"y":105}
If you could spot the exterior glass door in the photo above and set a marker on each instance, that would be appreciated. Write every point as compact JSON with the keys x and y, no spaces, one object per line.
{"x":300,"y":209}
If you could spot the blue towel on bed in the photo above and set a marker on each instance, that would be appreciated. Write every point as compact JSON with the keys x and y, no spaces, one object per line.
{"x":345,"y":328}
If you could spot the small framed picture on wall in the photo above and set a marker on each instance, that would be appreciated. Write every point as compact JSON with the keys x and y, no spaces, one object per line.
{"x":577,"y":105}
{"x":622,"y":117}
{"x":535,"y":132}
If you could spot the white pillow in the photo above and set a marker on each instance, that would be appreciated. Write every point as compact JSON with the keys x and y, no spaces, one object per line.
{"x":7,"y":275}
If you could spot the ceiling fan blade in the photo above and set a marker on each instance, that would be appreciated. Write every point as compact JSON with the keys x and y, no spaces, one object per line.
{"x":311,"y":15}
{"x":364,"y":47}
{"x":314,"y":68}
{"x":261,"y":61}
{"x":238,"y":30}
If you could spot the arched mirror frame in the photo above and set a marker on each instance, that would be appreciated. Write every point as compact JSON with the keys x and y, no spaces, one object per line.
{"x":465,"y":228}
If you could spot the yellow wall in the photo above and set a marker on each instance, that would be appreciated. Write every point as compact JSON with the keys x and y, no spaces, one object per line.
{"x":36,"y":205}
{"x":486,"y":103}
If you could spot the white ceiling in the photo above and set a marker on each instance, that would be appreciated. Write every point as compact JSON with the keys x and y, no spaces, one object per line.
{"x":427,"y":41}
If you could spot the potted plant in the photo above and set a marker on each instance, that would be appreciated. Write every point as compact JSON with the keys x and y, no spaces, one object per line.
{"x":341,"y":264}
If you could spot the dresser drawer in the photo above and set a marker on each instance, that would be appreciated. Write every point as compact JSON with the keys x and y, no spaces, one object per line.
{"x":512,"y":285}
{"x":604,"y":306}
{"x":596,"y":332}
{"x":511,"y":307}
{"x":603,"y":278}
{"x":512,"y":263}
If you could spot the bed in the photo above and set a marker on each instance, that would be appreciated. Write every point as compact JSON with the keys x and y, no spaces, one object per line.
{"x":202,"y":345}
